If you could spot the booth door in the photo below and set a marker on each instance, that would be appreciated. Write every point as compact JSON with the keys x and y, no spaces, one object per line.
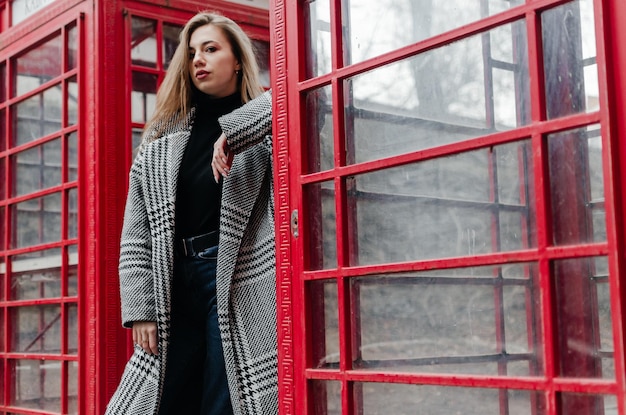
{"x":447,"y":214}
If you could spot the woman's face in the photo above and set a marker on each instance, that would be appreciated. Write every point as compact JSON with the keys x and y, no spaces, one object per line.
{"x":212,"y":64}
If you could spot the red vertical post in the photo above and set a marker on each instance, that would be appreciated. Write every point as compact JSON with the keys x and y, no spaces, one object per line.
{"x":611,"y":14}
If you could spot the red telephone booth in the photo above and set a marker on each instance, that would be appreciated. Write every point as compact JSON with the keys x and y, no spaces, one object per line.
{"x":450,"y":234}
{"x":77,"y":82}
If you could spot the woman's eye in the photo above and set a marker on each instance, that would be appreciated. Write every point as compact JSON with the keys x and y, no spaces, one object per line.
{"x":192,"y":55}
{"x":210,"y":49}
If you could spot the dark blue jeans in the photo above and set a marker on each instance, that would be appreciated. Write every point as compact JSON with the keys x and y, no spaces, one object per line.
{"x":195,"y":375}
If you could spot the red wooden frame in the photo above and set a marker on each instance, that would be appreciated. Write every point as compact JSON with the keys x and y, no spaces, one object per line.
{"x":291,"y":86}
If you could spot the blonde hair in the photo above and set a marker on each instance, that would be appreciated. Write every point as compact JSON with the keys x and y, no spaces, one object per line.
{"x":173,"y":100}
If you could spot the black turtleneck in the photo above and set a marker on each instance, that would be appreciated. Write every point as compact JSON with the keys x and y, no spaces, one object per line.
{"x":198,"y":196}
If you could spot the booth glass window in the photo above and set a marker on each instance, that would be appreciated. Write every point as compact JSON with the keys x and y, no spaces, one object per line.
{"x":452,"y":239}
{"x":40,"y":136}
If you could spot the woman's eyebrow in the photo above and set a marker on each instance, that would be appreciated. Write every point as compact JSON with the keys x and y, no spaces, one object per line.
{"x":204,"y":43}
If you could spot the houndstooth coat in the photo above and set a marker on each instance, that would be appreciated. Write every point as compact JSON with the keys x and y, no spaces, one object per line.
{"x":246,"y":274}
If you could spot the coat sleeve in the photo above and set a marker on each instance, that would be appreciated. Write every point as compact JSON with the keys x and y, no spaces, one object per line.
{"x":135,"y":266}
{"x":249,"y":124}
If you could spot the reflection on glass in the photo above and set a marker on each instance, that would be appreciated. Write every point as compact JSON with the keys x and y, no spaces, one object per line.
{"x":36,"y":221}
{"x":72,"y":387}
{"x":443,"y":207}
{"x":579,"y":403}
{"x":2,"y":328}
{"x":137,"y":135}
{"x":37,"y":329}
{"x":143,"y":42}
{"x":398,"y":23}
{"x":324,"y":326}
{"x":468,"y":321}
{"x":583,"y":318}
{"x":3,"y":82}
{"x":3,"y":134}
{"x":38,"y":66}
{"x":319,"y":200}
{"x":31,"y":390}
{"x":72,"y":157}
{"x":443,"y":96}
{"x":38,"y":116}
{"x":569,"y":59}
{"x":37,"y":168}
{"x":326,"y":397}
{"x":72,"y":101}
{"x":72,"y":271}
{"x":399,"y":399}
{"x":575,"y":162}
{"x":262,"y":52}
{"x":36,"y":275}
{"x":72,"y":213}
{"x":319,"y":130}
{"x":72,"y":329}
{"x":3,"y":190}
{"x":171,"y":35}
{"x":72,"y":47}
{"x":2,"y":234}
{"x":143,"y":96}
{"x":318,"y":54}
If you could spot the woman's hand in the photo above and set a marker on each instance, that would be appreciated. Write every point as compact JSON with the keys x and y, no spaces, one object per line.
{"x":222,"y":158}
{"x":145,"y":335}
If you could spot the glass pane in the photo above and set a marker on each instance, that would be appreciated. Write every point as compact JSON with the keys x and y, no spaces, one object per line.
{"x":72,"y":213}
{"x":37,"y":168}
{"x":3,"y":82}
{"x":398,"y":399}
{"x":137,"y":135}
{"x":319,"y":154}
{"x":2,"y":331}
{"x":37,"y":385}
{"x":72,"y":329}
{"x":3,"y":134}
{"x":443,"y":207}
{"x":569,"y":59}
{"x":72,"y":47}
{"x":398,"y":23}
{"x":262,"y":52}
{"x":319,"y":198}
{"x":324,"y":330}
{"x":36,"y":278}
{"x":443,"y":96}
{"x":143,"y":42}
{"x":578,"y":403}
{"x":577,"y":186}
{"x":37,"y":329}
{"x":143,"y":96}
{"x":2,"y":234}
{"x":583,"y":318}
{"x":36,"y":221}
{"x":318,"y":54}
{"x":3,"y":181}
{"x":72,"y":157}
{"x":72,"y":388}
{"x":72,"y":272}
{"x":326,"y":397}
{"x":38,"y":66}
{"x":72,"y":101}
{"x":171,"y":35}
{"x":472,"y":321}
{"x":38,"y":116}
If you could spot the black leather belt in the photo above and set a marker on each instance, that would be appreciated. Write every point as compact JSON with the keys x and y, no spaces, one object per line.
{"x":196,"y":244}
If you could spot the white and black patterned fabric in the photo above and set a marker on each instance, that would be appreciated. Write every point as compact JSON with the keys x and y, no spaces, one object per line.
{"x":246,"y":274}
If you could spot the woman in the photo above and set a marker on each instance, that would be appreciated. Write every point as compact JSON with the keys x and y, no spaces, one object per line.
{"x":203,"y":318}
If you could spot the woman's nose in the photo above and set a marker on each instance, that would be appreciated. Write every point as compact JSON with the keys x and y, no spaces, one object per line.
{"x":197,"y":59}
